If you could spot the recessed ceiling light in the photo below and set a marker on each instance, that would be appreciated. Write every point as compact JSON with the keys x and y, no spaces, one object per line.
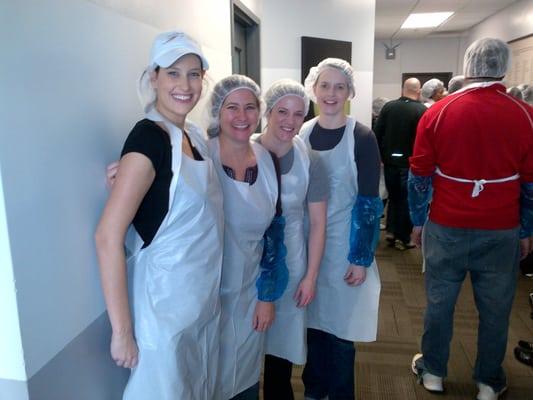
{"x":426,"y":20}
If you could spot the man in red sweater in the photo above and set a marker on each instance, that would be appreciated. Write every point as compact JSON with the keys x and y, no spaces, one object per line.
{"x":474,"y":153}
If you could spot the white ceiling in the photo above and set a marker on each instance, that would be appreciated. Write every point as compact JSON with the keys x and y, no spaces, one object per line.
{"x":390,"y":15}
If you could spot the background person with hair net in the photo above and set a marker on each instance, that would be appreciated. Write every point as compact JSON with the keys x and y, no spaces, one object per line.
{"x":165,"y":181}
{"x":304,"y":188}
{"x":346,"y":305}
{"x":254,"y":273}
{"x":474,"y":152}
{"x":456,"y":83}
{"x":433,"y":91}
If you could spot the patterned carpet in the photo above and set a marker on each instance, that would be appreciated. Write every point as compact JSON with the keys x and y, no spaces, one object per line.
{"x":383,"y":368}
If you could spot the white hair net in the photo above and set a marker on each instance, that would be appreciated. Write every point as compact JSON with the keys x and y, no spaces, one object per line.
{"x":487,"y":58}
{"x":336,"y":63}
{"x":527,"y":93}
{"x":429,"y":89}
{"x":456,"y":83}
{"x":167,"y":47}
{"x":221,"y":90}
{"x":377,"y":105}
{"x":283,"y":88}
{"x":515,"y":92}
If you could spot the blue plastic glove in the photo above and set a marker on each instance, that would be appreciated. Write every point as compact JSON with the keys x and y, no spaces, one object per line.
{"x":526,"y":210}
{"x":364,"y":230}
{"x":420,"y":190}
{"x":274,"y":276}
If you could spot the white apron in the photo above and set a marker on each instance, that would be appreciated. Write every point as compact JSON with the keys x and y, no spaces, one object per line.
{"x":350,"y":313}
{"x":286,"y":338}
{"x":175,"y":284}
{"x":248,"y":212}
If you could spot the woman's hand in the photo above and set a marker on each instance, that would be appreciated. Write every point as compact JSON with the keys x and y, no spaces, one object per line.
{"x":124,"y":350}
{"x":263,"y":316}
{"x":111,"y":174}
{"x":305,"y":292}
{"x":355,"y":275}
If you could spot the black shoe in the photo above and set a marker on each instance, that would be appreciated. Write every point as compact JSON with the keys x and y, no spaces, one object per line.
{"x":524,"y":356}
{"x":525,"y":345}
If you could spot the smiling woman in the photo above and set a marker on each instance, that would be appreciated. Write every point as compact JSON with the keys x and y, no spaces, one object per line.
{"x":165,"y":179}
{"x":348,"y":278}
{"x":253,"y":277}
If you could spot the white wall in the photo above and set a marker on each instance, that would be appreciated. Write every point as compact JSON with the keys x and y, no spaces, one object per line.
{"x":414,"y":55}
{"x":511,"y":23}
{"x":69,"y":86}
{"x":284,"y":22}
{"x":11,"y":355}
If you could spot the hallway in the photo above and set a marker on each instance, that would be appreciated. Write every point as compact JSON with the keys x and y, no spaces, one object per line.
{"x":383,"y":368}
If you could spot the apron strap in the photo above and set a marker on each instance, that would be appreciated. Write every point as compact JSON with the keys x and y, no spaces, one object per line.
{"x":478,"y":183}
{"x":277,"y":167}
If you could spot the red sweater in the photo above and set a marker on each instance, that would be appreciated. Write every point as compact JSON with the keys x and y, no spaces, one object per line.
{"x":477,"y":133}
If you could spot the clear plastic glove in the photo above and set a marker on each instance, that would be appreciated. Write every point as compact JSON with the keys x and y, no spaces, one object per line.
{"x":124,"y":350}
{"x":111,"y":174}
{"x":355,"y":275}
{"x":263,"y":316}
{"x":416,"y":236}
{"x":306,"y":292}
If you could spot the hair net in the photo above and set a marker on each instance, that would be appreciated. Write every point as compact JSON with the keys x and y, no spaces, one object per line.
{"x":429,"y":89}
{"x":487,"y":58}
{"x":527,"y":94}
{"x":377,"y":105}
{"x":514,"y":91}
{"x":221,"y":90}
{"x":456,"y":83}
{"x":166,"y":49}
{"x":336,"y":63}
{"x":283,"y":88}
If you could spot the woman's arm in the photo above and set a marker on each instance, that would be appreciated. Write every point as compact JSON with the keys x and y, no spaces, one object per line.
{"x":315,"y":249}
{"x":135,"y":175}
{"x":367,"y":209}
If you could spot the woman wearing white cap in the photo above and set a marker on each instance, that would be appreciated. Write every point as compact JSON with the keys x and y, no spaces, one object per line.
{"x":253,"y":275}
{"x":304,"y":188}
{"x":167,"y":187}
{"x":346,"y":305}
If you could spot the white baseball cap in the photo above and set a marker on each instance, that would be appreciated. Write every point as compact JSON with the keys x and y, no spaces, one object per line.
{"x":170,"y":46}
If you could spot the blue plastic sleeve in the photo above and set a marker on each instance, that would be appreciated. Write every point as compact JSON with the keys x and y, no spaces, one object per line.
{"x":364,"y":230}
{"x":420,"y":190}
{"x":274,"y":275}
{"x":526,"y":210}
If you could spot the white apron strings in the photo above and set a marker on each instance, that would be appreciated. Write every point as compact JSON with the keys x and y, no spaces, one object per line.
{"x":478,"y":183}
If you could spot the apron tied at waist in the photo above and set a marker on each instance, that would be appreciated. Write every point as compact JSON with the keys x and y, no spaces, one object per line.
{"x":478,"y":183}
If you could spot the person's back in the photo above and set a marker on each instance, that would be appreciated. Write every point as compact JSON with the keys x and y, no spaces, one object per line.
{"x":396,"y":130}
{"x":478,"y":133}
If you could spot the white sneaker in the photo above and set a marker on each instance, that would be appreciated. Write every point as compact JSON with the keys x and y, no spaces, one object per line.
{"x":488,"y":393}
{"x":432,"y":383}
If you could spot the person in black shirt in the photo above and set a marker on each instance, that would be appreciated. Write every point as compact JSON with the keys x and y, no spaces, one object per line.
{"x":396,"y":130}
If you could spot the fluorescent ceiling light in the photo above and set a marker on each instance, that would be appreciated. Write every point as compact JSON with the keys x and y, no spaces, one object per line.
{"x":426,"y":20}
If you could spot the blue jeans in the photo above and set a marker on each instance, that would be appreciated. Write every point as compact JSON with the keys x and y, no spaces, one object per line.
{"x":329,"y":370}
{"x":398,"y":220}
{"x":491,"y":257}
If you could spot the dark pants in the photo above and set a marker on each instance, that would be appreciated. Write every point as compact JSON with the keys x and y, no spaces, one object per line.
{"x":330,"y":367}
{"x":277,"y":379}
{"x":491,"y":257}
{"x":252,"y":393}
{"x":398,"y":221}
